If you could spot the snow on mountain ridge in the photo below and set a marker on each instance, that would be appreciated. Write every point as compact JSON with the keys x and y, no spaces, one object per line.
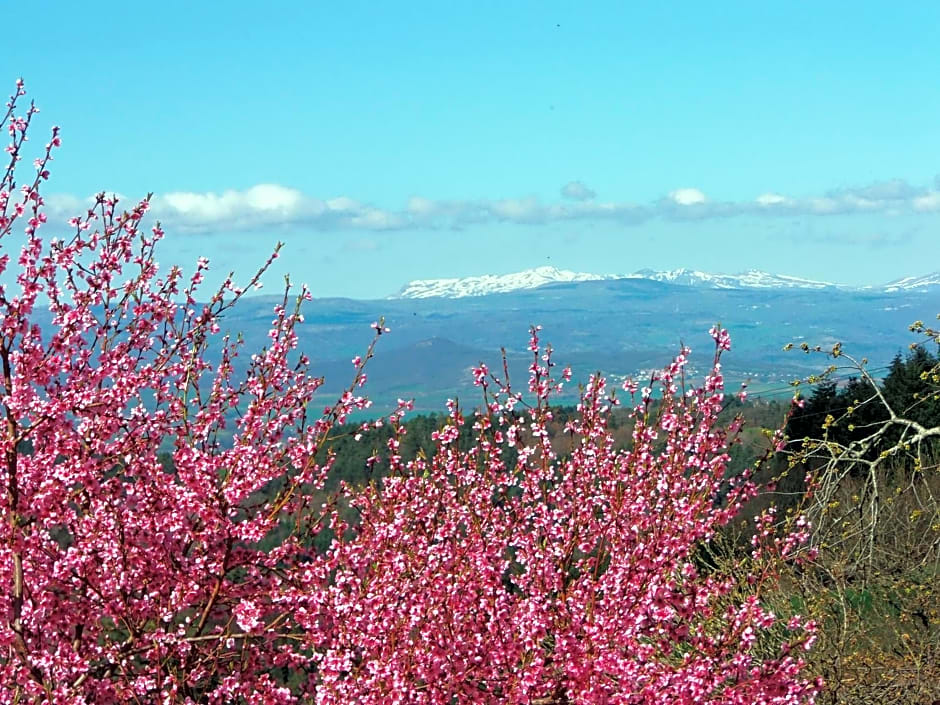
{"x":493,"y":283}
{"x":533,"y":278}
{"x":751,"y":279}
{"x":909,"y":283}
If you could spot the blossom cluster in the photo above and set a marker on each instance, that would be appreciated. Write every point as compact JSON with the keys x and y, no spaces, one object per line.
{"x":167,"y":536}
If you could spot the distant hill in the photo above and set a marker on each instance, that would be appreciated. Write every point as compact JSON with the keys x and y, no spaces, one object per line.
{"x":621,"y":326}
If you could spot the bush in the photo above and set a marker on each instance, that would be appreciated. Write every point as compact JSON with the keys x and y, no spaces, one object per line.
{"x":463,"y":577}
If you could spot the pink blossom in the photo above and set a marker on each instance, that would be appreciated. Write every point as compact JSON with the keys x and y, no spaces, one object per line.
{"x":146,"y":560}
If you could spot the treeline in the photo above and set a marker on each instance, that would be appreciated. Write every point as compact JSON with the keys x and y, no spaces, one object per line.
{"x":843,"y":413}
{"x":846,"y":413}
{"x":874,"y":507}
{"x":850,"y":412}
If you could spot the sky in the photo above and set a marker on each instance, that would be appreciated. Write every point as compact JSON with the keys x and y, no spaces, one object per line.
{"x":385,"y":142}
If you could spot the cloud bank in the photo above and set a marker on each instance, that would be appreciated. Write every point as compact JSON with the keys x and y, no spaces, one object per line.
{"x":273,"y":206}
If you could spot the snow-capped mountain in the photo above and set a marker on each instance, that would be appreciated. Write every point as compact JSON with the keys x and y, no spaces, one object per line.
{"x":531,"y":278}
{"x":913,"y":283}
{"x":493,"y":283}
{"x":751,"y":279}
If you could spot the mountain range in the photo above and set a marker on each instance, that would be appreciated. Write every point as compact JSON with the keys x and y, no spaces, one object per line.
{"x":540,"y":276}
{"x":621,"y":326}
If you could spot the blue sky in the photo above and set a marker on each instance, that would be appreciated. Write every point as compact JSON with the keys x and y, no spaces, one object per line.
{"x":383,"y":142}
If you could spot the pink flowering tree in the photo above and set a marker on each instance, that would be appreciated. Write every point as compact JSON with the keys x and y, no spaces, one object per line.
{"x":501,"y":573}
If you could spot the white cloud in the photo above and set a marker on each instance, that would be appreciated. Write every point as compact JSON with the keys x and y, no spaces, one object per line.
{"x":516,"y":209}
{"x":929,"y":202}
{"x":342,"y":204}
{"x":687,"y":196}
{"x":260,"y":204}
{"x":377,"y":219}
{"x":268,"y":197}
{"x":272,"y":205}
{"x":64,"y":203}
{"x":771,"y":199}
{"x":421,"y":206}
{"x":266,"y":205}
